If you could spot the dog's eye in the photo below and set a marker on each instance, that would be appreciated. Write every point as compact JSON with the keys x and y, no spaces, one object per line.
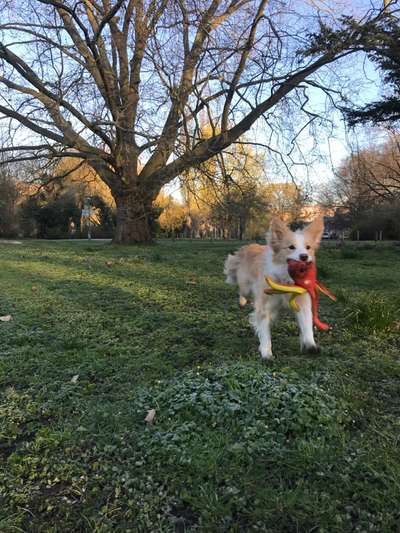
{"x":292,"y":247}
{"x":308,"y":247}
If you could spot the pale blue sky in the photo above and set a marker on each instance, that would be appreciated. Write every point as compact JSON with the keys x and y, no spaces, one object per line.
{"x":325,"y":147}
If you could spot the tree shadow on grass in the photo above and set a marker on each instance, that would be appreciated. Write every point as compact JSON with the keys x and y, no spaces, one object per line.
{"x":147,"y":333}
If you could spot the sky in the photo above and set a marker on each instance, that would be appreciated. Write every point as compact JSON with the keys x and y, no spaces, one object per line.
{"x":364,"y":85}
{"x":326,"y":147}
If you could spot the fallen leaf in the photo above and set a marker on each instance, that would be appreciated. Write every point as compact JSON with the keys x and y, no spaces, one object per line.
{"x":75,"y":378}
{"x":150,"y":416}
{"x":6,"y":318}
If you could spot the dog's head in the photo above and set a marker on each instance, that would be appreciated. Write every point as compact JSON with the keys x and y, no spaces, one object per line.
{"x":299,"y":245}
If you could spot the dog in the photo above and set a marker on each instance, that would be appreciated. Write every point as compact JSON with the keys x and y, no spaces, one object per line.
{"x":250,"y":264}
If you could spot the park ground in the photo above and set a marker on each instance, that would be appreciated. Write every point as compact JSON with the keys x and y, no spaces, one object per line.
{"x":102,"y":334}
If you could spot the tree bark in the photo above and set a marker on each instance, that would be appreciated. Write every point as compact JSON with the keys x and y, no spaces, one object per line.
{"x":135,"y":219}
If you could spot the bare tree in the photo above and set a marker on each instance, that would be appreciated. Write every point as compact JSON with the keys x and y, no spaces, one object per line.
{"x":8,"y":201}
{"x":123,"y":84}
{"x":367,"y":178}
{"x":376,"y":170}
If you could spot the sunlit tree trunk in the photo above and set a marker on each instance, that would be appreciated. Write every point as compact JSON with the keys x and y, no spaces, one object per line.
{"x":134,"y":220}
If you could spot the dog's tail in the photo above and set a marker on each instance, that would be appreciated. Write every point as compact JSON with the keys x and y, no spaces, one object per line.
{"x":231,"y":267}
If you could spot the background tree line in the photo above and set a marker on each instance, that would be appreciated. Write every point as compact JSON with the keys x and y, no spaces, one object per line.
{"x":53,"y":209}
{"x":365,"y":193}
{"x":228,"y":197}
{"x":123,"y":84}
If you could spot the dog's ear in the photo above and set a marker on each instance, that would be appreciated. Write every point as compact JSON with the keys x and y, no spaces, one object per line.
{"x":277,"y":231}
{"x":314,"y":231}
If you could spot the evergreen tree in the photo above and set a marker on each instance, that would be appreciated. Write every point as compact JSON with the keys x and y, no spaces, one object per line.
{"x":384,"y":51}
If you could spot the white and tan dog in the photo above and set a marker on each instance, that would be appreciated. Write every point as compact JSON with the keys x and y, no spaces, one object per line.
{"x":250,"y":264}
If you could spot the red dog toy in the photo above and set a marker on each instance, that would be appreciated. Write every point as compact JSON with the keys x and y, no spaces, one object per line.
{"x":304,"y":276}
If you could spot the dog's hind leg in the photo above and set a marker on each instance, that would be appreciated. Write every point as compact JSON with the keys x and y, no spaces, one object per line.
{"x":244,"y":291}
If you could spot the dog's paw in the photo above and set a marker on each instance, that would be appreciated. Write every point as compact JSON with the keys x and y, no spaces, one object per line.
{"x":312,"y":349}
{"x":242,"y":302}
{"x":266,"y":356}
{"x":267,"y":360}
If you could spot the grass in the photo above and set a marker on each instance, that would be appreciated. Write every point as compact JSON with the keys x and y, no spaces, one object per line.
{"x":102,"y":334}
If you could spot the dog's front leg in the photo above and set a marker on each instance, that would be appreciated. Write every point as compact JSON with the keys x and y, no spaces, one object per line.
{"x":261,"y":320}
{"x":305,"y":322}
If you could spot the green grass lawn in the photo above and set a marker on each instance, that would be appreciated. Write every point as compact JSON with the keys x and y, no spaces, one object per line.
{"x":102,"y":334}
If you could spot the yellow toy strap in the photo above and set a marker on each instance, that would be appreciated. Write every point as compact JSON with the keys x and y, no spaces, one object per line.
{"x":293,"y":304}
{"x":283,"y":288}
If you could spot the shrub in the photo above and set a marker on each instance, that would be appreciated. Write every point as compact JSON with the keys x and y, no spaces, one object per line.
{"x":369,"y":312}
{"x":259,"y":411}
{"x":217,"y":431}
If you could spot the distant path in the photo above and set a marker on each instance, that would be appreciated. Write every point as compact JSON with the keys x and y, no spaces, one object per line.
{"x":9,"y":241}
{"x":72,"y":240}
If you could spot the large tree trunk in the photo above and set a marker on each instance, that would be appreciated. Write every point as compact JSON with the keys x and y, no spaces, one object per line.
{"x":135,"y":219}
